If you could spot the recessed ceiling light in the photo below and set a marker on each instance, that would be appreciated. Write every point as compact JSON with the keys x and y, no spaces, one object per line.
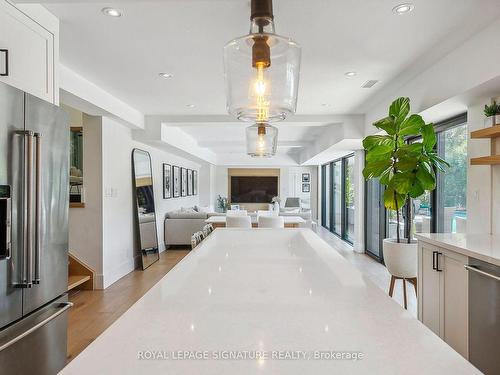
{"x":190,"y":105}
{"x":165,"y":75}
{"x":403,"y":8}
{"x":112,"y":12}
{"x":350,"y":74}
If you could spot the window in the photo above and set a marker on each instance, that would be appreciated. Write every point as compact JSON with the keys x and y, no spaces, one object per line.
{"x":451,"y":197}
{"x":338,"y":197}
{"x":349,"y":199}
{"x":325,"y":183}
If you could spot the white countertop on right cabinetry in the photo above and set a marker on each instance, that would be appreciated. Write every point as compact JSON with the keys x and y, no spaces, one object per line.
{"x":485,"y":247}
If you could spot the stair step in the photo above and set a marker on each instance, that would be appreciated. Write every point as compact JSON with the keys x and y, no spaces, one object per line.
{"x":75,"y":280}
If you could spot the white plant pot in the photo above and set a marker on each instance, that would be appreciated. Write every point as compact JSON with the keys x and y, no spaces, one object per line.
{"x":401,"y":258}
{"x":491,"y":121}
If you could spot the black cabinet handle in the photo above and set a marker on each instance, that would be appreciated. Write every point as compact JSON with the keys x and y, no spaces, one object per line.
{"x":434,"y":260}
{"x":5,"y":53}
{"x":437,"y":261}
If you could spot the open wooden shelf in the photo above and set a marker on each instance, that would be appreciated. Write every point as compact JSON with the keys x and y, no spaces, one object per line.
{"x":490,"y":132}
{"x":76,"y":280}
{"x":486,"y":160}
{"x":80,"y":275}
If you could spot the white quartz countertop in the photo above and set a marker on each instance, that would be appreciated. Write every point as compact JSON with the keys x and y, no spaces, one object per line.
{"x":485,"y":247}
{"x":282,"y":294}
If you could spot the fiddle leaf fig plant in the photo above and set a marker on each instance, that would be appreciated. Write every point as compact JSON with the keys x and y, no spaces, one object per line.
{"x":406,"y":170}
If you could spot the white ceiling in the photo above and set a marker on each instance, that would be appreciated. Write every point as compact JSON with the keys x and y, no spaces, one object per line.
{"x":185,"y":38}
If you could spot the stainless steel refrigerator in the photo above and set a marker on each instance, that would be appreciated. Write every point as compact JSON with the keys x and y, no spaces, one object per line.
{"x":34,"y":173}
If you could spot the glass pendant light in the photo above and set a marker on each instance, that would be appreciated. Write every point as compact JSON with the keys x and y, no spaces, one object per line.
{"x":262,"y":140}
{"x":262,"y":70}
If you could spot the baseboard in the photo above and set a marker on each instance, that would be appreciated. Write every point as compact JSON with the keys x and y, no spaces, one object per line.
{"x":99,"y":281}
{"x":118,"y":272}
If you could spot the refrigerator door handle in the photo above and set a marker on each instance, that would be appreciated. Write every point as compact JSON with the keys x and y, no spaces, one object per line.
{"x":27,"y":258}
{"x":61,"y":308}
{"x":38,"y":152}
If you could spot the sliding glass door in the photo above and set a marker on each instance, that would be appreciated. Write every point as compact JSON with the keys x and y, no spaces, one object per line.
{"x":374,"y":219}
{"x":338,"y":197}
{"x":325,"y":196}
{"x":349,"y":198}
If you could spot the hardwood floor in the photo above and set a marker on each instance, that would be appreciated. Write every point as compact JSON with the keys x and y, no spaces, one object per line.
{"x":96,"y":310}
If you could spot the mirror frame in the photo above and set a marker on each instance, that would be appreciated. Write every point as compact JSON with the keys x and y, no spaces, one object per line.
{"x":81,"y":204}
{"x":137,"y":221}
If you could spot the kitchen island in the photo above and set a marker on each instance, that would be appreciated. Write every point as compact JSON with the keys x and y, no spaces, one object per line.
{"x":273,"y":301}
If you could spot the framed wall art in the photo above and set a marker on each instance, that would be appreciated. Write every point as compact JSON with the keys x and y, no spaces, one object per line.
{"x":167,"y":181}
{"x":183,"y":182}
{"x":176,"y":181}
{"x":189,"y":182}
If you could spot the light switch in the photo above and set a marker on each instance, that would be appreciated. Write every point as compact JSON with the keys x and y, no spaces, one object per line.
{"x":476,"y":195}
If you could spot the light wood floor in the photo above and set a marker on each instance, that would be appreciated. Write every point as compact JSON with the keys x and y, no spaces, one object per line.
{"x":96,"y":310}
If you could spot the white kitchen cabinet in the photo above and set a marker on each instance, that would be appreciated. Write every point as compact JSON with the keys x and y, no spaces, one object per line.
{"x":454,"y":314}
{"x":31,"y":53}
{"x":443,"y":294}
{"x":428,"y":280}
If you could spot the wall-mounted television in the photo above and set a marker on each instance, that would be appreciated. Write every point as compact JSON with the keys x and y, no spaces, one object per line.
{"x":253,"y":189}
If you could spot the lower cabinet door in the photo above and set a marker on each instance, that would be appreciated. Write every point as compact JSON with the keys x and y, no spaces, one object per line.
{"x":455,"y":301}
{"x":429,"y":293}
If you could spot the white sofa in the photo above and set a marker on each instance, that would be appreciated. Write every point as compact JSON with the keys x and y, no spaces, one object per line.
{"x":180,"y":225}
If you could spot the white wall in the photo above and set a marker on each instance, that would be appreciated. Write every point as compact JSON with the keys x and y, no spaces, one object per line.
{"x":119,"y":244}
{"x":290,"y":183}
{"x":102,"y":233}
{"x":85,"y":224}
{"x":483,"y":182}
{"x":207,"y":189}
{"x":471,"y":64}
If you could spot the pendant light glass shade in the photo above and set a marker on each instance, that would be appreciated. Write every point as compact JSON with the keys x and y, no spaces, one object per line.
{"x":262,"y":140}
{"x":262,"y":71}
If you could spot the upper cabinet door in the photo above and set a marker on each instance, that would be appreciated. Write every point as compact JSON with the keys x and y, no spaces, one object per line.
{"x":29,"y":63}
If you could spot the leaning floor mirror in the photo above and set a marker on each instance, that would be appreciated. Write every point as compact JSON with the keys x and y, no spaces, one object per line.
{"x":145,"y":204}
